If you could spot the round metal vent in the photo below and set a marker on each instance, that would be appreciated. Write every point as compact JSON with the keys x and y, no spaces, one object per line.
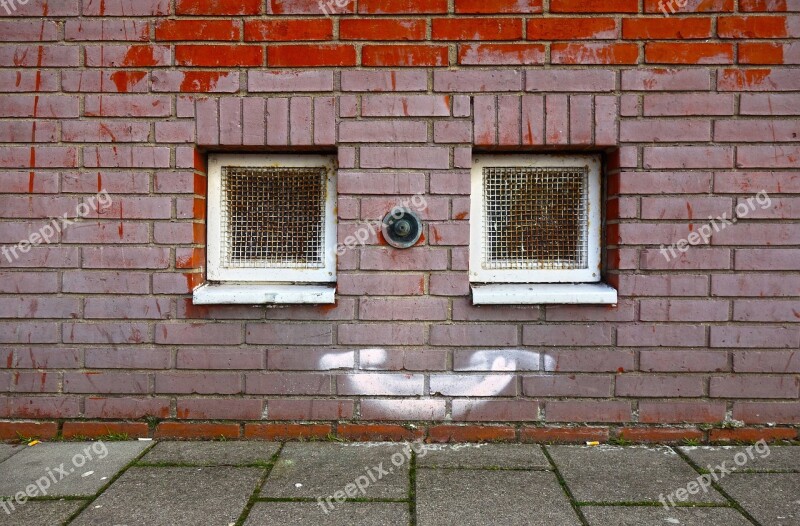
{"x":401,"y":228}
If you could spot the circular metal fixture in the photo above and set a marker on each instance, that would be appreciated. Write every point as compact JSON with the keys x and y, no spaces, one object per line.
{"x":401,"y":228}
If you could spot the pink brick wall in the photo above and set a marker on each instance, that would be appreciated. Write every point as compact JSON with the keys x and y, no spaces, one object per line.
{"x":695,"y":113}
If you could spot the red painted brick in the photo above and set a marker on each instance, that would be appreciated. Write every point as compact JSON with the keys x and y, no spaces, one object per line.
{"x":691,"y":6}
{"x":101,"y":429}
{"x":491,"y":7}
{"x":190,"y":430}
{"x":666,"y":28}
{"x":287,"y":431}
{"x":172,"y":30}
{"x":752,"y":434}
{"x":567,"y":435}
{"x":218,"y":7}
{"x":382,"y":29}
{"x":594,"y":6}
{"x":380,"y":432}
{"x":685,"y":53}
{"x":758,"y":27}
{"x":571,"y":28}
{"x":219,"y":55}
{"x":755,"y":80}
{"x":501,"y":54}
{"x":660,"y":435}
{"x":383,"y":7}
{"x":40,"y":430}
{"x":287,"y":30}
{"x":453,"y":433}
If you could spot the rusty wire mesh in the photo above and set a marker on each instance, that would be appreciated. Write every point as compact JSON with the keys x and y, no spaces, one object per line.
{"x":535,"y":218}
{"x":273,"y":217}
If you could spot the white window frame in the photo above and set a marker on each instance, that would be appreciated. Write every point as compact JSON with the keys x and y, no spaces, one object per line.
{"x":217,"y":273}
{"x":592,"y":274}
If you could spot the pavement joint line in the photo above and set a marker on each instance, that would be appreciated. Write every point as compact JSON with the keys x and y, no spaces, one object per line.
{"x":51,"y":498}
{"x":486,"y":468}
{"x":412,"y":489}
{"x":651,"y":504}
{"x":261,"y":465}
{"x":563,"y":483}
{"x":767,"y":471}
{"x":714,"y":484}
{"x":111,"y":481}
{"x":259,"y":485}
{"x":314,"y":499}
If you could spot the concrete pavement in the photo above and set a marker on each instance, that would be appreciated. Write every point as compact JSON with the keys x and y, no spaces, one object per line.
{"x":375,"y":484}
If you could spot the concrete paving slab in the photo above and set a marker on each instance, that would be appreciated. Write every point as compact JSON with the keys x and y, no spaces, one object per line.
{"x":658,"y":516}
{"x":79,"y":468}
{"x":211,"y":453}
{"x":626,"y":474}
{"x":346,"y":514}
{"x":39,"y":513}
{"x":6,"y":450}
{"x":509,"y":456}
{"x":173,"y":496}
{"x":320,"y":469}
{"x":478,"y":498}
{"x":771,"y":498}
{"x":746,"y":458}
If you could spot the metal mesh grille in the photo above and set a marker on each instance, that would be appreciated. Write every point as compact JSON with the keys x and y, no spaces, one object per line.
{"x":535,"y":218}
{"x":273,"y":217}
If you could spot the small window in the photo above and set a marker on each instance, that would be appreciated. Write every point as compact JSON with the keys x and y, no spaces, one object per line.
{"x":271,"y":220}
{"x":535,"y":219}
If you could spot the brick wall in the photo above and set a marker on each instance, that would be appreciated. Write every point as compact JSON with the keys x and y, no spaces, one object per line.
{"x":695,"y":112}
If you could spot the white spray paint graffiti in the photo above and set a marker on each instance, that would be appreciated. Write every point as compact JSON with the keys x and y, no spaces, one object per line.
{"x":477,"y":385}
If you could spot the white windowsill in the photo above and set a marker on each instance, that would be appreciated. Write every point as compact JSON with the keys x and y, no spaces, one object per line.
{"x":259,"y":294}
{"x":543,"y":294}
